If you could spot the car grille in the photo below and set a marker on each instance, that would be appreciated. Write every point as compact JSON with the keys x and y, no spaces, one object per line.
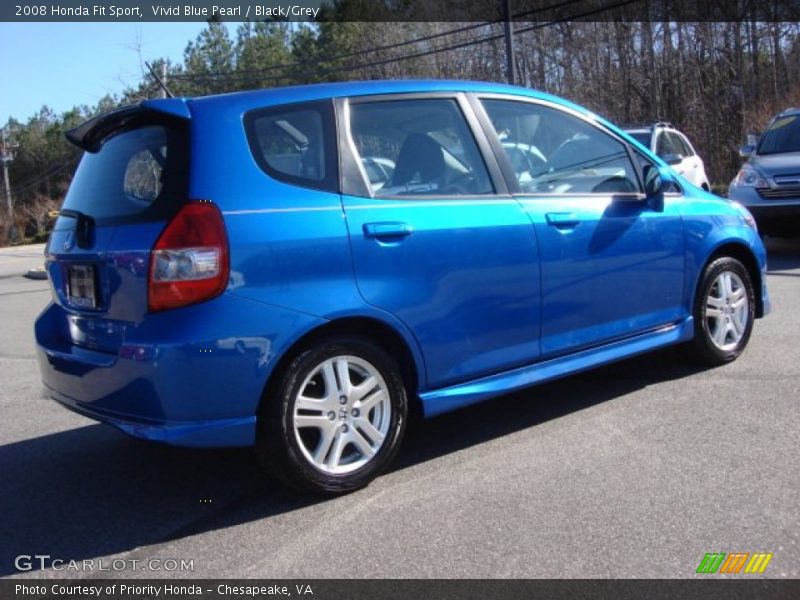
{"x":779,"y":193}
{"x":788,"y":180}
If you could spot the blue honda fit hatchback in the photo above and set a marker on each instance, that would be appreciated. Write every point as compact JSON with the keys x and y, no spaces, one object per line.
{"x":296,"y":268}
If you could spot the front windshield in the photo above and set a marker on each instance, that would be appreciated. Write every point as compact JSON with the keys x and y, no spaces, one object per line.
{"x":783,"y":135}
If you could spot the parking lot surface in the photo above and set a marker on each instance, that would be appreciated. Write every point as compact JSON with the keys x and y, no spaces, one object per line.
{"x":633,"y":470}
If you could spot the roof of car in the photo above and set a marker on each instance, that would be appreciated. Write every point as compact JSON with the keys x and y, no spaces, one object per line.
{"x":365,"y":88}
{"x":248,"y":100}
{"x":790,"y":111}
{"x":233,"y":104}
{"x":647,"y":126}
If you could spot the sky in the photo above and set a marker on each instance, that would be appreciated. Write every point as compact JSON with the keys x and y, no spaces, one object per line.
{"x":67,"y":64}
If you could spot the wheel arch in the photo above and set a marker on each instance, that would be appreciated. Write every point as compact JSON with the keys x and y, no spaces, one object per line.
{"x":375,"y":330}
{"x":744,"y":255}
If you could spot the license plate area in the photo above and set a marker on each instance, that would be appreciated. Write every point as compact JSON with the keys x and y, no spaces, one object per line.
{"x":82,"y":286}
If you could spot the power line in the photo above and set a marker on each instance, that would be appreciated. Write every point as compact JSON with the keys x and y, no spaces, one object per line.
{"x":378,"y":48}
{"x":488,"y":38}
{"x":34,"y":182}
{"x":246,"y":74}
{"x":240,"y":75}
{"x":583,"y":15}
{"x":352,"y":53}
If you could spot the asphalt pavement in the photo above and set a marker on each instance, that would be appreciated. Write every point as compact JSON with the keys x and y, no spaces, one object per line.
{"x":633,"y":470}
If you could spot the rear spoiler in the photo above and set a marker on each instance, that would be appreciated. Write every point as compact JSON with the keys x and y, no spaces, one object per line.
{"x":91,"y":134}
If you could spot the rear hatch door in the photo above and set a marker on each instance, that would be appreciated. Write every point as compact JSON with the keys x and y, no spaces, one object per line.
{"x":132,"y":179}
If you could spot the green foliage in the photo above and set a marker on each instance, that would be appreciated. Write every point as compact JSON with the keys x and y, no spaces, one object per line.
{"x":210,"y":56}
{"x":715,"y":80}
{"x":260,"y":48}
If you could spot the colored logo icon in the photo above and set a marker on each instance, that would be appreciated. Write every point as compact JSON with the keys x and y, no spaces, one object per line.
{"x":734,"y":562}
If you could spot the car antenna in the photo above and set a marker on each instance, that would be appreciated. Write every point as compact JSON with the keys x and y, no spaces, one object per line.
{"x":159,"y":80}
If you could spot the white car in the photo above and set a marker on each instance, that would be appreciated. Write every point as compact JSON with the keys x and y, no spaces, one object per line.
{"x":674,"y":148}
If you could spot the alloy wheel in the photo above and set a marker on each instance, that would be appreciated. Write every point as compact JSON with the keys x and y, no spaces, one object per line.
{"x":727,"y":310}
{"x":342,"y":414}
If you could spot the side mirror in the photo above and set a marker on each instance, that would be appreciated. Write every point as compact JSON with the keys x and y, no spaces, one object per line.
{"x":653,"y":183}
{"x":747,"y":150}
{"x":672,"y":159}
{"x":752,"y":139}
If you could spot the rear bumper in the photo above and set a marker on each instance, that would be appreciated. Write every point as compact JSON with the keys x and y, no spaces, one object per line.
{"x":203,"y":434}
{"x":191,"y":377}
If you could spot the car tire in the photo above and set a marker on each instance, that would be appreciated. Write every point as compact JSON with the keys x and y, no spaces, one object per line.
{"x":724,"y":310}
{"x":336,"y":418}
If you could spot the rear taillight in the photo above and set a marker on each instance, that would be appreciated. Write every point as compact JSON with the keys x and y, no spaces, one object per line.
{"x":189,"y":262}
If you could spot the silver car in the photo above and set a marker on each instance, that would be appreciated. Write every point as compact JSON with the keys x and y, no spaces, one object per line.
{"x":768,"y":184}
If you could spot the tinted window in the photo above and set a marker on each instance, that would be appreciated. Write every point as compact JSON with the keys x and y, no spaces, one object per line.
{"x":642,"y":137}
{"x":679,"y":141}
{"x":677,"y":144}
{"x":563,"y":154}
{"x":144,"y":173}
{"x":295,"y":144}
{"x":664,"y":145}
{"x":783,"y":135}
{"x":424,"y":147}
{"x":136,"y":175}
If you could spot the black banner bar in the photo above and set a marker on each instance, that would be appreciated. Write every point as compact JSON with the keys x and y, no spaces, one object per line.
{"x":391,"y":10}
{"x":385,"y":589}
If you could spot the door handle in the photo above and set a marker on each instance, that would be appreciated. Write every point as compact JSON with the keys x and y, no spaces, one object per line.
{"x":387,"y":230}
{"x":562,"y":220}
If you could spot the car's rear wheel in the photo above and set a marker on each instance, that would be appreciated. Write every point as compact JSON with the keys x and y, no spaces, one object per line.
{"x":336,"y":419}
{"x":724,"y":311}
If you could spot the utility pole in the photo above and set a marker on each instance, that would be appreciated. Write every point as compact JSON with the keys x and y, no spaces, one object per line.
{"x":511,"y":76}
{"x":164,"y":79}
{"x":165,"y":93}
{"x":6,"y":156}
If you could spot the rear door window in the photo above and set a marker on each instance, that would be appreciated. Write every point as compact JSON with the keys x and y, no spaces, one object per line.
{"x":423,"y":147}
{"x":296,"y":144}
{"x":137,"y":175}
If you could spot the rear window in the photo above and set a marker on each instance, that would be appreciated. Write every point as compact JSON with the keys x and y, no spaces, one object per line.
{"x":296,"y":144}
{"x":137,"y":175}
{"x":642,"y":137}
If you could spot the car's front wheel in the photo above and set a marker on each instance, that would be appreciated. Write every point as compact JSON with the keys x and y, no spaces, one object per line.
{"x":336,"y":419}
{"x":724,"y":311}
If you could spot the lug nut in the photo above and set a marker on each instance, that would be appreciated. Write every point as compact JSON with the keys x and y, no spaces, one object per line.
{"x":331,"y":415}
{"x":344,"y":428}
{"x":342,"y":399}
{"x":354,"y":412}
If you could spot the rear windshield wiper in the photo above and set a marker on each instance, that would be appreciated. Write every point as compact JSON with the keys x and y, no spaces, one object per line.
{"x":83,"y":228}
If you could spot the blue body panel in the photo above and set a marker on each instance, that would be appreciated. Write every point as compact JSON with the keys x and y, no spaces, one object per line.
{"x":447,"y":399}
{"x":488,"y":294}
{"x":181,"y":372}
{"x":465,"y":280}
{"x":614,"y":270}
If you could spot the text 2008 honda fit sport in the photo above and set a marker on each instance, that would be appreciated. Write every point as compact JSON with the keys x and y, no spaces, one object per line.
{"x":297,"y":268}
